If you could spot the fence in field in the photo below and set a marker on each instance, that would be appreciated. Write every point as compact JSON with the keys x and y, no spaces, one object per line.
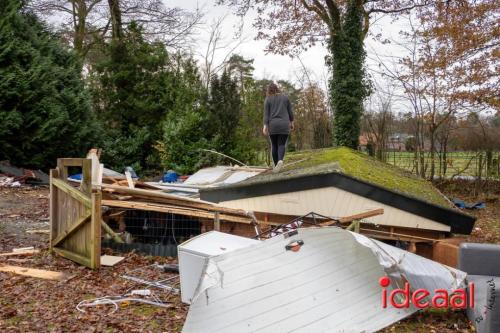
{"x":473,"y":165}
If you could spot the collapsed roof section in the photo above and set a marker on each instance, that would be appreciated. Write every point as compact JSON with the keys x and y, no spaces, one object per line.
{"x":208,"y":178}
{"x":353,"y":172}
{"x":329,"y":281}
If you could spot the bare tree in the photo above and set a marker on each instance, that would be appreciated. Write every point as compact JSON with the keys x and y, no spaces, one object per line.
{"x":84,"y":22}
{"x":377,"y":120}
{"x":312,"y":116}
{"x":219,"y":49}
{"x":429,"y":86}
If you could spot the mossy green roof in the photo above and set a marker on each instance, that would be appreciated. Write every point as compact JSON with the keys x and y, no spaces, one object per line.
{"x":357,"y":165}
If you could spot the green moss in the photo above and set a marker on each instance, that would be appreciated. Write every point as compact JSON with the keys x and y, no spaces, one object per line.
{"x":357,"y":165}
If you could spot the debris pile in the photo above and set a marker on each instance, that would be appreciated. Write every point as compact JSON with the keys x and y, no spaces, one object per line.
{"x":13,"y":176}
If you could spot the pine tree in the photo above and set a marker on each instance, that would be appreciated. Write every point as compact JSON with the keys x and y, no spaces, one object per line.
{"x":224,"y":112}
{"x":133,"y":89}
{"x":241,"y":70}
{"x":184,"y":128}
{"x":44,"y":107}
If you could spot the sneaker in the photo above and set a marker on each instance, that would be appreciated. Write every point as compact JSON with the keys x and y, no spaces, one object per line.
{"x":278,"y":166}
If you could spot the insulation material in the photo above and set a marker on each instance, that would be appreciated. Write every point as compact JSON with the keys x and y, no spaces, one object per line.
{"x":209,"y":176}
{"x":239,"y":176}
{"x":220,"y":175}
{"x":309,"y":280}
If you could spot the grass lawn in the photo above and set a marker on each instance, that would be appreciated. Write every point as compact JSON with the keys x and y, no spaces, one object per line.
{"x":457,"y":163}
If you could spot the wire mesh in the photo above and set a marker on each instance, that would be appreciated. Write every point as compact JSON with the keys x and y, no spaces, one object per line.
{"x":148,"y":232}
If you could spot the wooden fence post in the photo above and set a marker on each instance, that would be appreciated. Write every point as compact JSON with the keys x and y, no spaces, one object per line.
{"x":95,"y":233}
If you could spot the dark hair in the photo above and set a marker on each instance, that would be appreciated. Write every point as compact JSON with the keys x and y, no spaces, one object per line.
{"x":272,"y":89}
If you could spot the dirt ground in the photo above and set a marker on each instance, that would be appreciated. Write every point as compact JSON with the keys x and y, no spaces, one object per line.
{"x":36,"y":305}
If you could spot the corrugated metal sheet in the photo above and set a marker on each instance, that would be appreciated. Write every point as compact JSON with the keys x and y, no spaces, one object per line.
{"x":329,"y":285}
{"x":331,"y":201}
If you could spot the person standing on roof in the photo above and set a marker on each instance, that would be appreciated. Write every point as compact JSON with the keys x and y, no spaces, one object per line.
{"x":278,"y":122}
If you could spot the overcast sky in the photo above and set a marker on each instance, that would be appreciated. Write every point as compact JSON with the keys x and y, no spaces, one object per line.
{"x":275,"y":66}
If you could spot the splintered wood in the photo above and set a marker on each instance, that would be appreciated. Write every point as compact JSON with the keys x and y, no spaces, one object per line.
{"x":20,"y":252}
{"x":33,"y":272}
{"x":158,"y":201}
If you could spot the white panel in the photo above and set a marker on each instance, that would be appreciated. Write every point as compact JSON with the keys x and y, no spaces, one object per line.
{"x":194,"y":253}
{"x":333,"y":202}
{"x":329,"y":285}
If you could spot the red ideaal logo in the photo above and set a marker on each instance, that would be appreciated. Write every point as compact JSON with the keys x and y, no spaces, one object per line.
{"x":440,"y":299}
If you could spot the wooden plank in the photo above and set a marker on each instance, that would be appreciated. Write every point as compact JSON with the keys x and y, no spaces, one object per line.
{"x":38,"y":231}
{"x":394,"y":235}
{"x":97,"y":168}
{"x":110,"y":232}
{"x":179,"y":202}
{"x":364,"y":215}
{"x":54,"y":173}
{"x":446,"y":252}
{"x":86,"y":184}
{"x":73,"y":192}
{"x":216,"y":221}
{"x":33,"y":272}
{"x":130,"y":182}
{"x":174,"y":210}
{"x":110,"y":260}
{"x":407,"y":234}
{"x":74,"y":227}
{"x":66,"y":162}
{"x":62,"y":168}
{"x":154,"y":195}
{"x":73,"y":256}
{"x":99,"y":175}
{"x":19,"y":252}
{"x":95,"y":232}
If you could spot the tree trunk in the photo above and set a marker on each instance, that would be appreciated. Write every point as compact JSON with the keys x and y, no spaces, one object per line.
{"x":433,"y":153}
{"x":116,"y":19}
{"x":79,"y":22}
{"x":347,"y":88}
{"x":445,"y":157}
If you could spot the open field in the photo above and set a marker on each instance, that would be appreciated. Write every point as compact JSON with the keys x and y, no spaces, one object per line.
{"x":457,"y":163}
{"x":35,"y":305}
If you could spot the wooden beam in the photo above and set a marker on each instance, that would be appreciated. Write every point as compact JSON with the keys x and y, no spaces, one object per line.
{"x":73,"y":256}
{"x":19,"y":252}
{"x":130,"y":182}
{"x":74,"y":227}
{"x":216,"y":221}
{"x":73,"y":192}
{"x":110,"y":232}
{"x":33,"y":272}
{"x":396,"y":236}
{"x":162,"y":208}
{"x":154,"y":195}
{"x":86,"y":184}
{"x":54,"y":173}
{"x":95,"y":231}
{"x":364,"y":215}
{"x":75,"y":162}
